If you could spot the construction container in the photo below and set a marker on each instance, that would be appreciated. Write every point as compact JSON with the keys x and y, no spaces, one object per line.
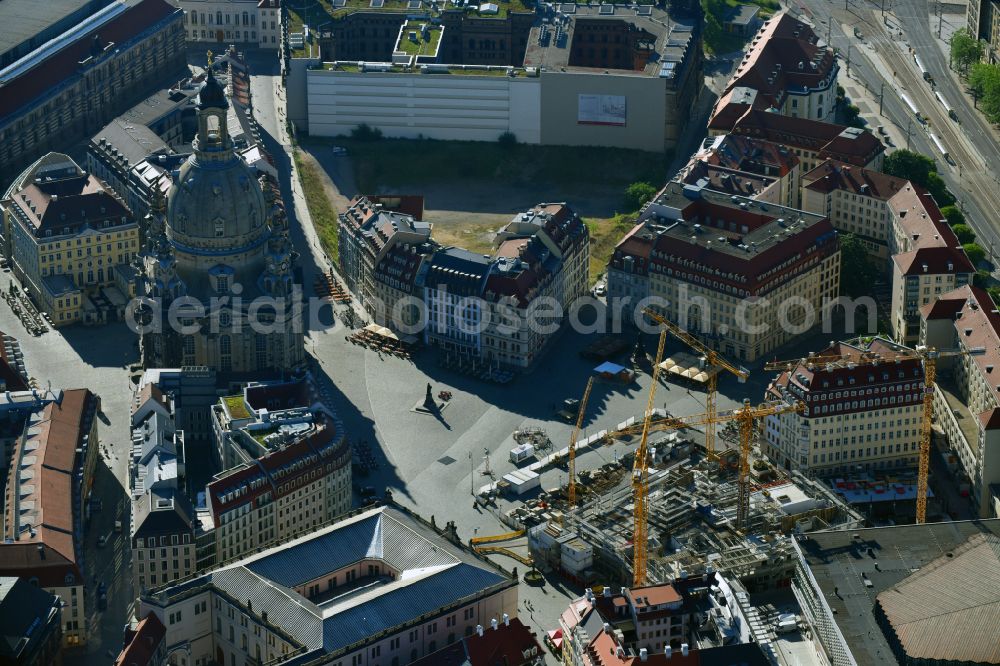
{"x":520,"y":453}
{"x":522,"y":481}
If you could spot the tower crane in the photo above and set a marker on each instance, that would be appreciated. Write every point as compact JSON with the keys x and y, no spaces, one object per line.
{"x":713,"y":359}
{"x":572,"y":443}
{"x":928,"y":356}
{"x":640,"y":479}
{"x":744,"y":416}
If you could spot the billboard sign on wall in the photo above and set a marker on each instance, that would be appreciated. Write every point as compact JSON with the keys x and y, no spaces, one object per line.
{"x":601,"y":110}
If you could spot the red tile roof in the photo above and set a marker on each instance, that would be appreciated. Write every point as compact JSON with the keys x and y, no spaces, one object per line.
{"x":49,"y":73}
{"x":933,"y":260}
{"x":141,"y":645}
{"x":785,"y":53}
{"x":857,"y":147}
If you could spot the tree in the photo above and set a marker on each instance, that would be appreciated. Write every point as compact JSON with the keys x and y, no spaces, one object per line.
{"x":975,"y":253}
{"x":909,"y":165}
{"x":965,"y":233}
{"x":984,"y":80}
{"x":994,"y":293}
{"x":857,"y":271}
{"x":953,"y":215}
{"x":936,"y":186}
{"x":920,"y":170}
{"x":966,"y":50}
{"x":637,"y":194}
{"x":981,"y":279}
{"x":507,"y":140}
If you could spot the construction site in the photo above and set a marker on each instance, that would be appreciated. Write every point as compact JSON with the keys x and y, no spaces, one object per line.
{"x":692,"y":523}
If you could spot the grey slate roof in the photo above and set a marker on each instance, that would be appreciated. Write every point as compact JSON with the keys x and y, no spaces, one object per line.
{"x":398,"y":605}
{"x":431,"y":573}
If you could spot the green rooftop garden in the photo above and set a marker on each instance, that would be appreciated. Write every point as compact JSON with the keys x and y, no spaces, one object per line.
{"x":399,"y":69}
{"x":317,"y":12}
{"x":259,"y":435}
{"x":422,"y":46}
{"x":237,"y":408}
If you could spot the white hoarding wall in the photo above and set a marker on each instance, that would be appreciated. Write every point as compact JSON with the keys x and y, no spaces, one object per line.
{"x":601,"y":110}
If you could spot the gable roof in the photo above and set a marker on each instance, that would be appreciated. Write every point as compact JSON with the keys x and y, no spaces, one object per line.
{"x":949,"y":609}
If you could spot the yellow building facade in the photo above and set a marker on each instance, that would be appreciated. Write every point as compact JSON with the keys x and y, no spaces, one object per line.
{"x":69,"y":237}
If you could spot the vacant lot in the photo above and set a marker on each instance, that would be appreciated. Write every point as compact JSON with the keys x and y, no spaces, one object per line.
{"x":471,"y":189}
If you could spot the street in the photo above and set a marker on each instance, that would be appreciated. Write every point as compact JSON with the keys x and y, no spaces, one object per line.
{"x":883,"y":64}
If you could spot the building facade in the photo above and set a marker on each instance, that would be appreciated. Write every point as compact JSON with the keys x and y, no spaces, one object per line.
{"x":789,"y":70}
{"x":68,"y":88}
{"x":309,"y":599}
{"x":255,"y":23}
{"x":858,"y":414}
{"x":219,"y":257}
{"x":31,"y":619}
{"x":902,"y":228}
{"x":163,"y":527}
{"x":46,"y":504}
{"x":967,"y":393}
{"x":68,"y":236}
{"x":744,"y":276}
{"x":287,"y":468}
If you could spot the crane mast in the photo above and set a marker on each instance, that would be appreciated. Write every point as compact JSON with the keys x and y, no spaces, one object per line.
{"x":640,"y":480}
{"x":572,"y":443}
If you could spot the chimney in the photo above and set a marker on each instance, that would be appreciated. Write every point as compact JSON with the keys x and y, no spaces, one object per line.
{"x":643,"y":654}
{"x":668,"y":652}
{"x":493,"y":624}
{"x":41,"y":550}
{"x":684,"y":649}
{"x":589,"y":593}
{"x":479,"y":629}
{"x":506,"y":620}
{"x":607,"y":591}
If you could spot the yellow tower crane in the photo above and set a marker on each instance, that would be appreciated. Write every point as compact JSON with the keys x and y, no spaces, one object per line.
{"x":640,"y":478}
{"x":929,"y":357}
{"x":714,"y":362}
{"x":744,"y":416}
{"x":572,"y":442}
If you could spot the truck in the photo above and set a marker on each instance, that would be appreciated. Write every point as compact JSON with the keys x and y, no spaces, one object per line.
{"x":569,"y":409}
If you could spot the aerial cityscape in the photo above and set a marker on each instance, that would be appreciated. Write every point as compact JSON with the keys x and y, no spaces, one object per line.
{"x":499,"y":333}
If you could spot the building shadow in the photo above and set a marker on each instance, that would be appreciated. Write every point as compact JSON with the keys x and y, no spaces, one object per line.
{"x":360,"y":428}
{"x":112,"y":345}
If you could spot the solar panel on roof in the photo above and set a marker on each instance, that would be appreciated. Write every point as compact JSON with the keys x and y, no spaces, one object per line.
{"x":607,"y":10}
{"x":339,"y":3}
{"x":377,"y":4}
{"x":413,"y":4}
{"x":568,"y":8}
{"x":645,"y":10}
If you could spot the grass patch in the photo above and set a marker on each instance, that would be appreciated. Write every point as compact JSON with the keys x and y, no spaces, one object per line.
{"x":316,"y":13}
{"x":421,"y":46}
{"x":415,"y":162}
{"x":237,"y":408}
{"x":324,"y":217}
{"x":604,"y":236}
{"x":474,"y":237}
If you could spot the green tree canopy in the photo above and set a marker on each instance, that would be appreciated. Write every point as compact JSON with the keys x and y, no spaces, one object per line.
{"x":857,"y":270}
{"x":637,"y":194}
{"x":965,"y":233}
{"x":984,"y":79}
{"x":974,"y":251}
{"x":953,"y":215}
{"x":920,"y":170}
{"x":966,"y":50}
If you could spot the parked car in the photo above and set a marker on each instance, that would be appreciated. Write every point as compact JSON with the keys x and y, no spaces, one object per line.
{"x":600,"y":290}
{"x":102,"y":540}
{"x":337,"y":150}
